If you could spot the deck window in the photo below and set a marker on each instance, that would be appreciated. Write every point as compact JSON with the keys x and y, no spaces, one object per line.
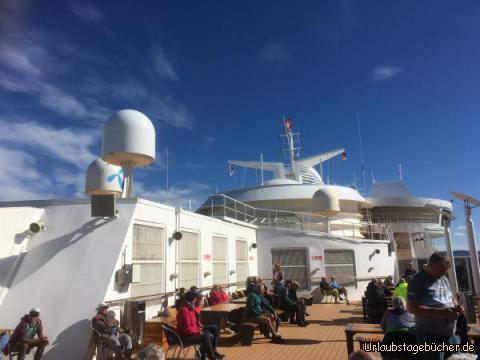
{"x":293,"y":263}
{"x":188,"y":259}
{"x":219,"y":260}
{"x":148,"y":260}
{"x":241,"y":260}
{"x":341,"y":264}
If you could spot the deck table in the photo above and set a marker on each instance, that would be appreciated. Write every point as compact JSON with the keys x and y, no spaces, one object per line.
{"x":353,"y":328}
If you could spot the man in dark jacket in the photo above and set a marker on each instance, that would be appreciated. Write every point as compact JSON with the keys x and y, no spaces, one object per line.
{"x":288,"y":300}
{"x":376,"y":301}
{"x":23,"y":338}
{"x":103,"y":325}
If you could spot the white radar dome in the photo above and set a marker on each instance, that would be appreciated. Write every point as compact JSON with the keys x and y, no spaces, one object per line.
{"x":325,"y":202}
{"x":103,"y":178}
{"x":129,"y":138}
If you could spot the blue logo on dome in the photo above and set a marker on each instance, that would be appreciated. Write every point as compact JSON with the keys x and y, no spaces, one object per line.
{"x":119,"y":176}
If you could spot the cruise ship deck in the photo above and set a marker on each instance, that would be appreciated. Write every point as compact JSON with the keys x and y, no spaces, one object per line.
{"x":324,"y":338}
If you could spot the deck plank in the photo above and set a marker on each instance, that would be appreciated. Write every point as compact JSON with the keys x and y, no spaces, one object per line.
{"x":324,"y":338}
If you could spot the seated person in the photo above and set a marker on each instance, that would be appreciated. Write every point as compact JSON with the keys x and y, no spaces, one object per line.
{"x":341,"y":290}
{"x":410,"y":271}
{"x":376,"y":301}
{"x":401,"y":289}
{"x":105,"y":327}
{"x":224,"y":295}
{"x":389,"y":282}
{"x":190,"y":332}
{"x":124,"y":339}
{"x":23,"y":338}
{"x":327,"y":290}
{"x":251,"y":284}
{"x":256,"y":314}
{"x":180,"y":296}
{"x":399,"y":327}
{"x":4,"y":338}
{"x":216,"y":297}
{"x":288,"y":301}
{"x":267,"y":307}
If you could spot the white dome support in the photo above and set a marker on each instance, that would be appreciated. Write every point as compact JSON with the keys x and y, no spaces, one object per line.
{"x":128,"y":189}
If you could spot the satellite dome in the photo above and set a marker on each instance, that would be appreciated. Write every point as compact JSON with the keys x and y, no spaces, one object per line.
{"x":325,"y":202}
{"x":103,"y":178}
{"x":129,"y":138}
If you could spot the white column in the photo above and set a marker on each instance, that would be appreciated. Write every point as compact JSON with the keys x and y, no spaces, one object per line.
{"x":452,"y":274}
{"x":472,"y":247}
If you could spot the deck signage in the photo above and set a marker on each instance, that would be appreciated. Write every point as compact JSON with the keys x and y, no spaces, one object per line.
{"x":317,"y":257}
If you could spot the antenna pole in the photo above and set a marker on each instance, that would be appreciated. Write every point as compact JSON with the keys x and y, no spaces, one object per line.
{"x":400,"y":171}
{"x":261,"y":162}
{"x":167,"y":170}
{"x":361,"y":154}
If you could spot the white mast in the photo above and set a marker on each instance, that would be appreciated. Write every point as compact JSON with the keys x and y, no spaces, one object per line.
{"x":288,"y":132}
{"x":261,"y":173}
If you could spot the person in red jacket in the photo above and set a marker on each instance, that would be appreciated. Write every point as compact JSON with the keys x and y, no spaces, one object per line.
{"x":218,"y":296}
{"x":191,"y":333}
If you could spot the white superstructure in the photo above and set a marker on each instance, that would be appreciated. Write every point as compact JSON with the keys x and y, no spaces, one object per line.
{"x":73,"y":261}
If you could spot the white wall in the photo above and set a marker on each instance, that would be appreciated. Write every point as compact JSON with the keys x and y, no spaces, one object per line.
{"x":367,"y":266}
{"x":66,"y":272}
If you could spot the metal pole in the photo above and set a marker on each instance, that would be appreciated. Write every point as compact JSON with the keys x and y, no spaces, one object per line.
{"x":472,"y":247}
{"x":452,"y":274}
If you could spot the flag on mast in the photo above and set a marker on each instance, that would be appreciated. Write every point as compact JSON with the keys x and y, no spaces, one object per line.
{"x":231,"y":170}
{"x":288,"y":124}
{"x":344,"y":155}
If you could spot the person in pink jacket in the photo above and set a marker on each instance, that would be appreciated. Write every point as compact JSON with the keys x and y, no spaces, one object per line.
{"x":191,"y":333}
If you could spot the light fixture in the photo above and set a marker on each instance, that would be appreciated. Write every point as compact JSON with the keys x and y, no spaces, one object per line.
{"x":232,"y":272}
{"x":206,"y":274}
{"x":36,"y":227}
{"x":253,"y":246}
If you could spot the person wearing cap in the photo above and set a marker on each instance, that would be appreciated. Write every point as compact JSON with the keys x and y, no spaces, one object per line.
{"x":23,"y":338}
{"x":106,"y":327}
{"x":190,"y":332}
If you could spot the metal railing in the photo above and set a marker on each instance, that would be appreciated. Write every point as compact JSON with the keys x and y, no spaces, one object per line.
{"x":386,"y":218}
{"x":224,"y":207}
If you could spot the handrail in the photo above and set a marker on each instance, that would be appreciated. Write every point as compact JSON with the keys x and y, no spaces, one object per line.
{"x":232,"y":208}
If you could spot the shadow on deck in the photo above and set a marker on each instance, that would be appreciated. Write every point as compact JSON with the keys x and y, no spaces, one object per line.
{"x":324,"y":338}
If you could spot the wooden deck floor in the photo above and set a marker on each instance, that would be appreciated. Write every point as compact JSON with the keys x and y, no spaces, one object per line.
{"x":324,"y":338}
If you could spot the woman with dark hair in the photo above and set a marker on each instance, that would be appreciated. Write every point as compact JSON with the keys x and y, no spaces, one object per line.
{"x":191,"y":333}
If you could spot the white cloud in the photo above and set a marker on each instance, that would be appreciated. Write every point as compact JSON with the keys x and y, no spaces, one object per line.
{"x":383,"y":73}
{"x":459,"y":234}
{"x":71,"y":145}
{"x":461,"y":227}
{"x":20,"y":180}
{"x":17,"y":60}
{"x":162,"y":65}
{"x":275,"y":53}
{"x":88,"y":13}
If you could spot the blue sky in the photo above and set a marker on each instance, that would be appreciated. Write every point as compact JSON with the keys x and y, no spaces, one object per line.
{"x":217,"y":77}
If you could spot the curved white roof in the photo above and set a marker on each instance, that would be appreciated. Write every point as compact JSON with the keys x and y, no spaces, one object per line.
{"x":393,"y":194}
{"x":281,"y":182}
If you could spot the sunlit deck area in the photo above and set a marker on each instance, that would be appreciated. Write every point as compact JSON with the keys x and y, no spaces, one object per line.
{"x":324,"y":338}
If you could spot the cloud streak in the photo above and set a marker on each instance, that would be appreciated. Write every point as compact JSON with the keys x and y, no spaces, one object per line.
{"x":386,"y":72}
{"x":162,"y":65}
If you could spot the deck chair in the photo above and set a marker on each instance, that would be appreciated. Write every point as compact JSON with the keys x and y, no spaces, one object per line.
{"x":175,"y":342}
{"x":327,"y":296}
